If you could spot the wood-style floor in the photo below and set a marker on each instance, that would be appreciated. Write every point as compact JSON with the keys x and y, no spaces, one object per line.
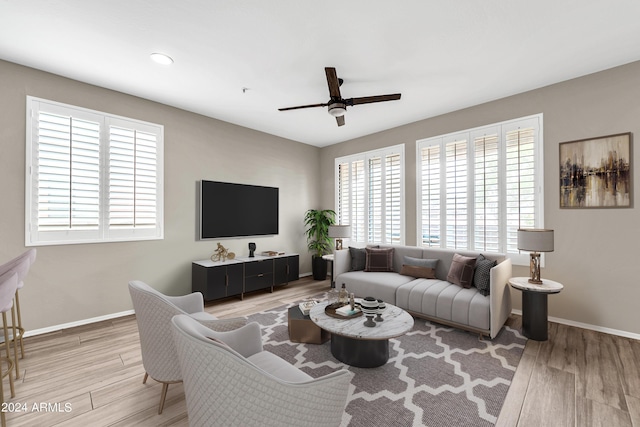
{"x":92,"y":375}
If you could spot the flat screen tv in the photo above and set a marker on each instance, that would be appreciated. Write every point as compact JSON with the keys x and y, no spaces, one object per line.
{"x":236,"y":210}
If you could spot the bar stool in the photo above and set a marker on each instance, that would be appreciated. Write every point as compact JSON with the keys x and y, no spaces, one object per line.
{"x":21,"y":265}
{"x":8,"y":286}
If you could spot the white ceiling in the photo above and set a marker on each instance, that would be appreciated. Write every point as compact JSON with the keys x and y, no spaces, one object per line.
{"x":442,"y":55}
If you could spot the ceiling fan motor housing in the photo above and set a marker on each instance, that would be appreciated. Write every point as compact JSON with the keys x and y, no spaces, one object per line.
{"x":337,"y":109}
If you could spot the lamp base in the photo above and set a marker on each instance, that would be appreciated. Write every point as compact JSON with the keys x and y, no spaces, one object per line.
{"x":534,"y":269}
{"x":338,"y":244}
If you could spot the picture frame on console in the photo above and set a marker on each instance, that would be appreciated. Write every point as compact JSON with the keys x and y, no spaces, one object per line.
{"x":596,"y":172}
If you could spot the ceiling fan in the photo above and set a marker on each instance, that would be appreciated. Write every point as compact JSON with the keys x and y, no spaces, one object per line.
{"x":337,"y":104}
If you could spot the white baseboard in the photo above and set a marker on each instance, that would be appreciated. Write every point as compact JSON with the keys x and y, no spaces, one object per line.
{"x":588,"y":326}
{"x":77,"y":323}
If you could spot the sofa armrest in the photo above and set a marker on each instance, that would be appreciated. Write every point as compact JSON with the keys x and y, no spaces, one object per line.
{"x":500,"y":297}
{"x":341,"y":262}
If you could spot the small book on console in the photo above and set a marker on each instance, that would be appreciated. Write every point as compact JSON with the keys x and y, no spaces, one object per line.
{"x":346,"y":310}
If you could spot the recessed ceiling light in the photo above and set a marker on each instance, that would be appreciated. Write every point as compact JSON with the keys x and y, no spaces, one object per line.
{"x":161,"y":58}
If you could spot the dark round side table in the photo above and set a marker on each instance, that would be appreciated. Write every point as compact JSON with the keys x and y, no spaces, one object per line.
{"x":534,"y":305}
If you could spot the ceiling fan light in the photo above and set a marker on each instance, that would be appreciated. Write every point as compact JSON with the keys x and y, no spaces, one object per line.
{"x":337,"y":109}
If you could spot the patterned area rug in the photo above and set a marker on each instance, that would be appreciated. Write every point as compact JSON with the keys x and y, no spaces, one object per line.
{"x":436,"y":375}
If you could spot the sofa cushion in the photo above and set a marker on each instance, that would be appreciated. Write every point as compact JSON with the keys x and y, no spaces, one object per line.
{"x":482,"y":274}
{"x":441,"y":299}
{"x":358,"y":258}
{"x":379,"y":260}
{"x":417,"y":271}
{"x":461,"y":270}
{"x":378,"y":285}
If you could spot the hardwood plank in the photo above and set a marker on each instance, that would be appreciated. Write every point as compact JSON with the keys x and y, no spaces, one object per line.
{"x":596,"y":414}
{"x":629,"y":367}
{"x":633,"y":403}
{"x":550,"y":399}
{"x":559,"y":351}
{"x":510,"y":413}
{"x":598,"y":378}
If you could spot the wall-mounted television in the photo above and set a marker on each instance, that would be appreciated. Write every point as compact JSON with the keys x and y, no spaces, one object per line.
{"x":236,"y":210}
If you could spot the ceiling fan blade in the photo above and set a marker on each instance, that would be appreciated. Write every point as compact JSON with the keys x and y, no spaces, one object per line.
{"x":371,"y":99}
{"x":340,"y":120}
{"x":302,"y":106}
{"x":333,"y":82}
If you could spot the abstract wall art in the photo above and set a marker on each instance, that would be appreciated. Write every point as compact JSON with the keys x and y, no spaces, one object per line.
{"x":596,"y":172}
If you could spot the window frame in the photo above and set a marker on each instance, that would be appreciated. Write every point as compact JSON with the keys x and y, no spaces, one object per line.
{"x":470,"y":135}
{"x":103,"y":233}
{"x":365,"y":157}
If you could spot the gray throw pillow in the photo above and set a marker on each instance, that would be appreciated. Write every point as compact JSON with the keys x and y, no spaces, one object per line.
{"x":481,"y":276}
{"x":461,"y":270}
{"x":421,"y":262}
{"x":358,"y":258}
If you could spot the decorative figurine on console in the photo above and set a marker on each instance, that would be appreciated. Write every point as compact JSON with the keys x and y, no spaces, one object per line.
{"x":252,"y":248}
{"x":222,"y":254}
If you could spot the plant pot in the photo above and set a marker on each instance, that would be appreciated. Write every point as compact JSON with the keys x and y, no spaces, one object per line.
{"x":319,"y":268}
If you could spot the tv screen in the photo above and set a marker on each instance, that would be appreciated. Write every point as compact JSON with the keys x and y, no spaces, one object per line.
{"x":235,"y":210}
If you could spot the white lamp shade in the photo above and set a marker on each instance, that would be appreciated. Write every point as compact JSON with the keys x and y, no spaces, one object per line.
{"x":535,"y":240}
{"x":340,"y":231}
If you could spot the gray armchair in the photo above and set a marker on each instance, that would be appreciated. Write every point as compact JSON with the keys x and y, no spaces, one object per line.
{"x":230,"y":381}
{"x":154,"y":311}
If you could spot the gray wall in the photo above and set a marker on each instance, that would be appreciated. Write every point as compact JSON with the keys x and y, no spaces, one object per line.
{"x":74,"y":282}
{"x":596,"y":250}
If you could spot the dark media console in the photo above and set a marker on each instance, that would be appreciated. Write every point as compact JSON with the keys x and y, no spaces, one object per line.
{"x":238,"y":276}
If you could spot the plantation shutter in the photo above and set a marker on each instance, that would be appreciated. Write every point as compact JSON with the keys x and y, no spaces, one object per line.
{"x":91,"y":176}
{"x":520,"y":183}
{"x":132,"y":178}
{"x":358,"y":218}
{"x":68,"y":173}
{"x":486,"y":193}
{"x":369,"y":195}
{"x":430,"y":167}
{"x":393,"y":199}
{"x":344,"y":195}
{"x":477,"y":187}
{"x":375,"y":217}
{"x":456,"y":167}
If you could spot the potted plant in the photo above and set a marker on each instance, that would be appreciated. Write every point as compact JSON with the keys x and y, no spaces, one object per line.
{"x":317,"y":224}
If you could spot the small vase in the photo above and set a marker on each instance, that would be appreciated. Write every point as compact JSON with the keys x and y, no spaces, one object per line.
{"x":369,"y":322}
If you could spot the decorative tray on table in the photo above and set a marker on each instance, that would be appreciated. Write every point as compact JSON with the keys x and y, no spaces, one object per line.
{"x":342,"y":311}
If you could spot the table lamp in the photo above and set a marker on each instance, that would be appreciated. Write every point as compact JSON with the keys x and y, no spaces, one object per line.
{"x":535,"y":241}
{"x":339,"y":232}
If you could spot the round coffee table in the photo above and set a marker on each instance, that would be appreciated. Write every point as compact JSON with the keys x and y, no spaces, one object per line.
{"x":358,"y":345}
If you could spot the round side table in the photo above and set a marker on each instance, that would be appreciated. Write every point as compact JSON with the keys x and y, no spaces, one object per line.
{"x":534,"y":305}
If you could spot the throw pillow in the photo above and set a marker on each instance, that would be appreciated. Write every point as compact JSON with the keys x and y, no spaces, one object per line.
{"x":358,"y":258}
{"x":379,"y":259}
{"x":461,"y":270}
{"x":421,"y":262}
{"x":418,"y":272}
{"x":481,"y":276}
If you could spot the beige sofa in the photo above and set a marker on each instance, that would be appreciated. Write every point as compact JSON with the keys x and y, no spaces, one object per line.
{"x":433,"y":299}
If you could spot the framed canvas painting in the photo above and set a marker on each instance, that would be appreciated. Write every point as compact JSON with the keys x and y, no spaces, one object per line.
{"x":596,"y":172}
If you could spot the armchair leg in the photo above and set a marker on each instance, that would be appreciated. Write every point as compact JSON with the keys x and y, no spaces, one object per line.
{"x":163,"y":396}
{"x":146,"y":375}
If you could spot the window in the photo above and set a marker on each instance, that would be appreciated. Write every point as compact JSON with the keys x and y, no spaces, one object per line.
{"x":369,"y":195}
{"x":477,"y":187}
{"x":91,"y":176}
